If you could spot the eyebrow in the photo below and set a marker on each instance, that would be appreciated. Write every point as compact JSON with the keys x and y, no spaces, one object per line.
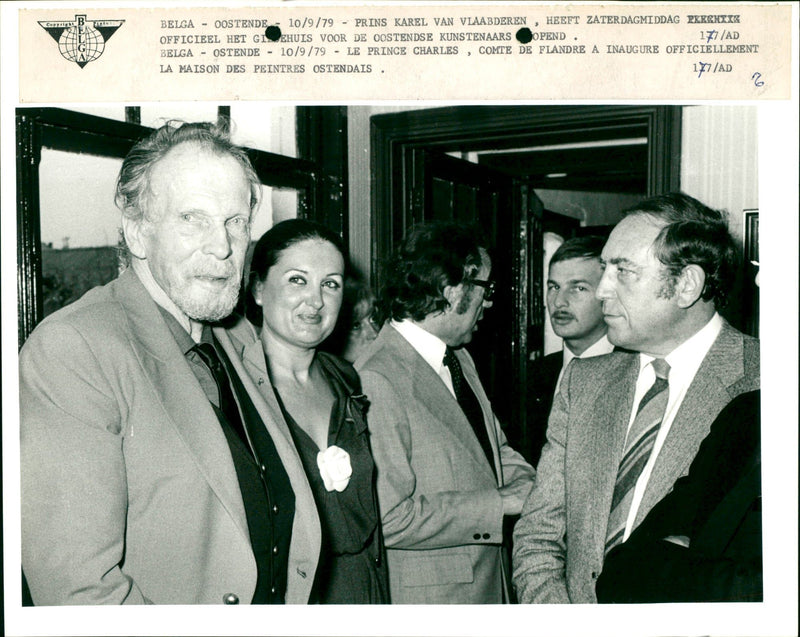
{"x":306,"y":272}
{"x":620,"y":261}
{"x":570,"y":281}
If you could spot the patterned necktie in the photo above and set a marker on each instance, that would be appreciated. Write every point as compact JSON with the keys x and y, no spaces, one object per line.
{"x":638,"y":447}
{"x":227,"y":403}
{"x":469,"y":404}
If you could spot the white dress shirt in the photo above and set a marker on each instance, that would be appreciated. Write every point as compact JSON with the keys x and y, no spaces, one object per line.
{"x":430,"y":347}
{"x":684,"y":361}
{"x":598,"y":348}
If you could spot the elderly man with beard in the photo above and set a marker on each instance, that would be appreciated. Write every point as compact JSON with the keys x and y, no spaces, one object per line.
{"x":151,"y":470}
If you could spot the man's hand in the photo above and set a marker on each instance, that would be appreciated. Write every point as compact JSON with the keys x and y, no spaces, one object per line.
{"x":514,"y":495}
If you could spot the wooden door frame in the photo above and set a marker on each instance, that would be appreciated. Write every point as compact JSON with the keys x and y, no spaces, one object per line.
{"x":474,"y":127}
{"x":394,"y":136}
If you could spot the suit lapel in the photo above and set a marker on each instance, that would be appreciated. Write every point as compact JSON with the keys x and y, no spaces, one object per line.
{"x":244,"y":349}
{"x":706,"y":397}
{"x":247,"y":356}
{"x":180,"y":395}
{"x":611,"y":412}
{"x":471,"y":376}
{"x":431,"y":393}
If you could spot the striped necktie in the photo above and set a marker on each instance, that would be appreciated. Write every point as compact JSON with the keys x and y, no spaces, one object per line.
{"x":638,"y":447}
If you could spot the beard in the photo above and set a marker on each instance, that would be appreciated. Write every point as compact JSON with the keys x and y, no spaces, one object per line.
{"x":205,"y":305}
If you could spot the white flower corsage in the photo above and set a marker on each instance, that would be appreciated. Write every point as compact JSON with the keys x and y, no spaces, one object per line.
{"x":334,"y":467}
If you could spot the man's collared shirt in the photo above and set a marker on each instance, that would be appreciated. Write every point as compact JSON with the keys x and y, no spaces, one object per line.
{"x":185,"y":343}
{"x":684,"y":361}
{"x":430,"y":347}
{"x":163,"y":301}
{"x":598,"y":348}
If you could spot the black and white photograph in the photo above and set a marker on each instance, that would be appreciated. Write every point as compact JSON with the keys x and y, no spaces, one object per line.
{"x":496,"y":359}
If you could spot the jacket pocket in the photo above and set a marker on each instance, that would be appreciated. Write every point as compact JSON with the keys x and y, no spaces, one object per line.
{"x":435,"y":570}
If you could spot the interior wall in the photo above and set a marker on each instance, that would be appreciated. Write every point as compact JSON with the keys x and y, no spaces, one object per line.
{"x":719,"y":159}
{"x":359,"y":191}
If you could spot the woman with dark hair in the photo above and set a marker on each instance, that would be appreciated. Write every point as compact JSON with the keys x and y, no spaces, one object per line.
{"x":294,"y":295}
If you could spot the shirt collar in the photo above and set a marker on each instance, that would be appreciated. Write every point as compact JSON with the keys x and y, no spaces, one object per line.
{"x":686,"y":359}
{"x":182,"y":337}
{"x":598,"y":348}
{"x":430,"y":347}
{"x":159,"y":296}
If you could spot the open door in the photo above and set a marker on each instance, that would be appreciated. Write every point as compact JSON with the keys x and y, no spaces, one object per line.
{"x":440,"y":187}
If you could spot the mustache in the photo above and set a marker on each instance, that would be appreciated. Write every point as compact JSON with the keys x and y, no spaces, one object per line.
{"x":220,"y":271}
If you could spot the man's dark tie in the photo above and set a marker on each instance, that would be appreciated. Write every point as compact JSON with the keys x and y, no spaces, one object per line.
{"x":638,"y":447}
{"x":469,"y":404}
{"x":227,"y":403}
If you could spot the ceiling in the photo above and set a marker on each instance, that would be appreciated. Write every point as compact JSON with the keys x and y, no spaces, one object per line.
{"x":609,"y":158}
{"x":614,"y":168}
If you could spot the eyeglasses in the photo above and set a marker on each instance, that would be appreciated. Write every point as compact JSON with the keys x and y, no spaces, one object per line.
{"x":488,"y":288}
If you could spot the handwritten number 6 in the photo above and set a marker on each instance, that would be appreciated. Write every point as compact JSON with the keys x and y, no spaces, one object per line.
{"x":756,"y":77}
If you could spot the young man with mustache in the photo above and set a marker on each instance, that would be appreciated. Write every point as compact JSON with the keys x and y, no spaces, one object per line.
{"x":577,"y":317}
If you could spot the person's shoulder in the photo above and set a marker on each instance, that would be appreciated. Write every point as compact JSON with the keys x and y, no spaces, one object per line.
{"x":95,"y":321}
{"x":744,"y":350}
{"x":98,"y":308}
{"x":552,"y":358}
{"x":545,"y":364}
{"x":729,"y":334}
{"x":342,"y":368}
{"x":381,"y":355}
{"x":240,"y":329}
{"x":605,"y":362}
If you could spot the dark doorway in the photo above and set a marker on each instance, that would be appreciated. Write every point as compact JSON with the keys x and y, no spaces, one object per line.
{"x":441,"y":187}
{"x":410,"y":180}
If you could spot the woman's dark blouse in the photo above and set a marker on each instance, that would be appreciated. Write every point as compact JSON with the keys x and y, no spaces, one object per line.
{"x":352,"y":565}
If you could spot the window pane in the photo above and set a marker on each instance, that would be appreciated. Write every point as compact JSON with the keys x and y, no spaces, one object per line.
{"x":263,"y":127}
{"x":255,"y":124}
{"x":79,"y":224}
{"x":276,"y":204}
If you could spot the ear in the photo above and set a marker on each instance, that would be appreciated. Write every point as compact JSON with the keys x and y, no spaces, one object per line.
{"x":134,"y":236}
{"x":256,"y":291}
{"x":691,"y":283}
{"x":453,"y":294}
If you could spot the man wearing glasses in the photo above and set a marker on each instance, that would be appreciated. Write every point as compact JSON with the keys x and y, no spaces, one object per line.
{"x":446,"y":475}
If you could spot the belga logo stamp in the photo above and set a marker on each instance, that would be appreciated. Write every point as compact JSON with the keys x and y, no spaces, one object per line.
{"x":81,"y":40}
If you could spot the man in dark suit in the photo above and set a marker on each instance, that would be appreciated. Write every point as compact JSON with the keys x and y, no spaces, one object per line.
{"x":701,"y":543}
{"x":624,"y":427}
{"x":577,"y":317}
{"x":148,"y":475}
{"x":447,"y":478}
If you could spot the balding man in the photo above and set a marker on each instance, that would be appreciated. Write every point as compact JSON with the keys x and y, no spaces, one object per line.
{"x":150,"y":472}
